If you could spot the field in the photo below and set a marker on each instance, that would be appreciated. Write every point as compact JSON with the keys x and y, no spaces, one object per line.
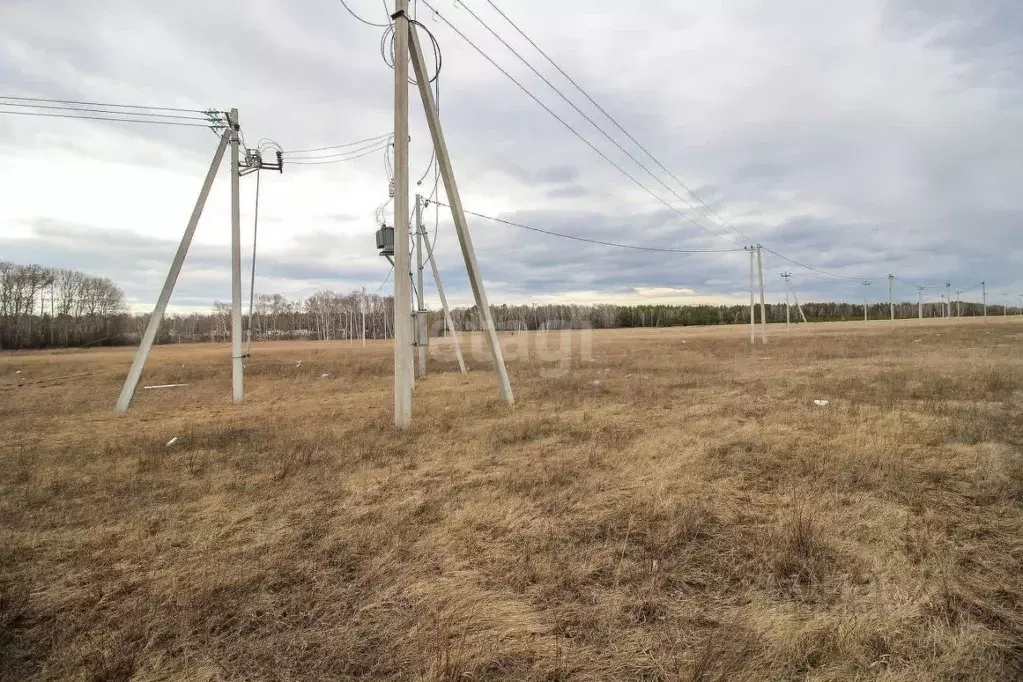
{"x":661,"y":505}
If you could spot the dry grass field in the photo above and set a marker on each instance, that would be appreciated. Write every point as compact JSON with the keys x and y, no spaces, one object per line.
{"x":672,"y":507}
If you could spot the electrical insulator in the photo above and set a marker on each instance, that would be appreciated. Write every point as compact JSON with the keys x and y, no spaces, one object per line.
{"x":390,"y":190}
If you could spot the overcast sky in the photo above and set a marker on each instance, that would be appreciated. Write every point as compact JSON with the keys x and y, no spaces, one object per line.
{"x":861,"y":138}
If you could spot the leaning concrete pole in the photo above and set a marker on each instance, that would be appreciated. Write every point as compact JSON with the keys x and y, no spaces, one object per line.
{"x":983,"y":291}
{"x":458,"y":215}
{"x":131,"y":382}
{"x":447,"y":313}
{"x":420,"y":307}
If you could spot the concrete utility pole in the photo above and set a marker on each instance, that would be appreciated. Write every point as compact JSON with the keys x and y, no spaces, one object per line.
{"x":983,"y":292}
{"x":948,"y":299}
{"x":131,"y":382}
{"x":402,"y":294}
{"x":252,"y":271}
{"x":447,"y":313}
{"x":455,"y":202}
{"x":785,"y":276}
{"x":799,"y":306}
{"x":866,"y":321}
{"x":362,"y":309}
{"x":920,"y":302}
{"x":891,"y":300}
{"x":763,"y":302}
{"x":959,"y":312}
{"x":421,"y":309}
{"x":752,"y":305}
{"x":237,"y":366}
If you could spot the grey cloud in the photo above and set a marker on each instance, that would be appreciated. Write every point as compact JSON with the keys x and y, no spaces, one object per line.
{"x":820,"y":152}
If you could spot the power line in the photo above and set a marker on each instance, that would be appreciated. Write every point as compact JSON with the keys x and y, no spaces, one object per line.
{"x":332,"y":155}
{"x":96,"y":110}
{"x":106,"y":118}
{"x":634,"y":247}
{"x":612,"y":119}
{"x":567,"y":125}
{"x":585,"y":116}
{"x":102,"y":104}
{"x":388,"y":277}
{"x":921,"y":286}
{"x":317,"y":162}
{"x":368,"y":23}
{"x":817,"y":270}
{"x":337,"y":146}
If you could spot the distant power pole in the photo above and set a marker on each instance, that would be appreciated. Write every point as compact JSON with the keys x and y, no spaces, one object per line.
{"x":785,"y":276}
{"x":763,"y":303}
{"x":920,"y":302}
{"x":362,"y":308}
{"x":948,"y":299}
{"x":866,"y":283}
{"x":959,"y":312}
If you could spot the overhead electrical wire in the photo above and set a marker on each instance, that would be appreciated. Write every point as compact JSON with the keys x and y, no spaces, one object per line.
{"x":567,"y":125}
{"x":338,"y":154}
{"x":613,"y":120}
{"x":288,"y":152}
{"x":634,"y":247}
{"x":364,"y":21}
{"x":106,"y":118}
{"x":104,"y":110}
{"x":342,"y":159}
{"x":591,"y":121}
{"x":101,"y":104}
{"x":817,"y":270}
{"x":387,"y":50}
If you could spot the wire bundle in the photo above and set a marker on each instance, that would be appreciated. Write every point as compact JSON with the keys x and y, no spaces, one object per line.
{"x":105,"y":111}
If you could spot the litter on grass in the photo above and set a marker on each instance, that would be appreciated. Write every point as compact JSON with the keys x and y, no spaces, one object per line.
{"x":172,"y":441}
{"x":165,"y":386}
{"x":820,"y":403}
{"x":324,"y":376}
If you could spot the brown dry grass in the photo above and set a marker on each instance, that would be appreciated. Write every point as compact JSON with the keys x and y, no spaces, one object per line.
{"x":665,"y":511}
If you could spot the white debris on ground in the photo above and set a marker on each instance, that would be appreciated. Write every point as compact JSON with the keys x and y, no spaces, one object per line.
{"x":324,"y":376}
{"x":172,"y":441}
{"x":298,"y":364}
{"x":820,"y":403}
{"x":165,"y":386}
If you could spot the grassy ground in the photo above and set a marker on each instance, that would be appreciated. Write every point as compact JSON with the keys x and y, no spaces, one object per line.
{"x":673,"y":506}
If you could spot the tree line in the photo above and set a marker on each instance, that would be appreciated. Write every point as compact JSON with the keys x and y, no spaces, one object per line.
{"x":47,"y":307}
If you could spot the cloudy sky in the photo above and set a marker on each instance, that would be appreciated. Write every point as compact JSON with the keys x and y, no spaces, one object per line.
{"x":860,"y":138}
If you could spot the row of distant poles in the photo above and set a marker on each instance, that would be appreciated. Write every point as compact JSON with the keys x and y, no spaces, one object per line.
{"x":756,"y":280}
